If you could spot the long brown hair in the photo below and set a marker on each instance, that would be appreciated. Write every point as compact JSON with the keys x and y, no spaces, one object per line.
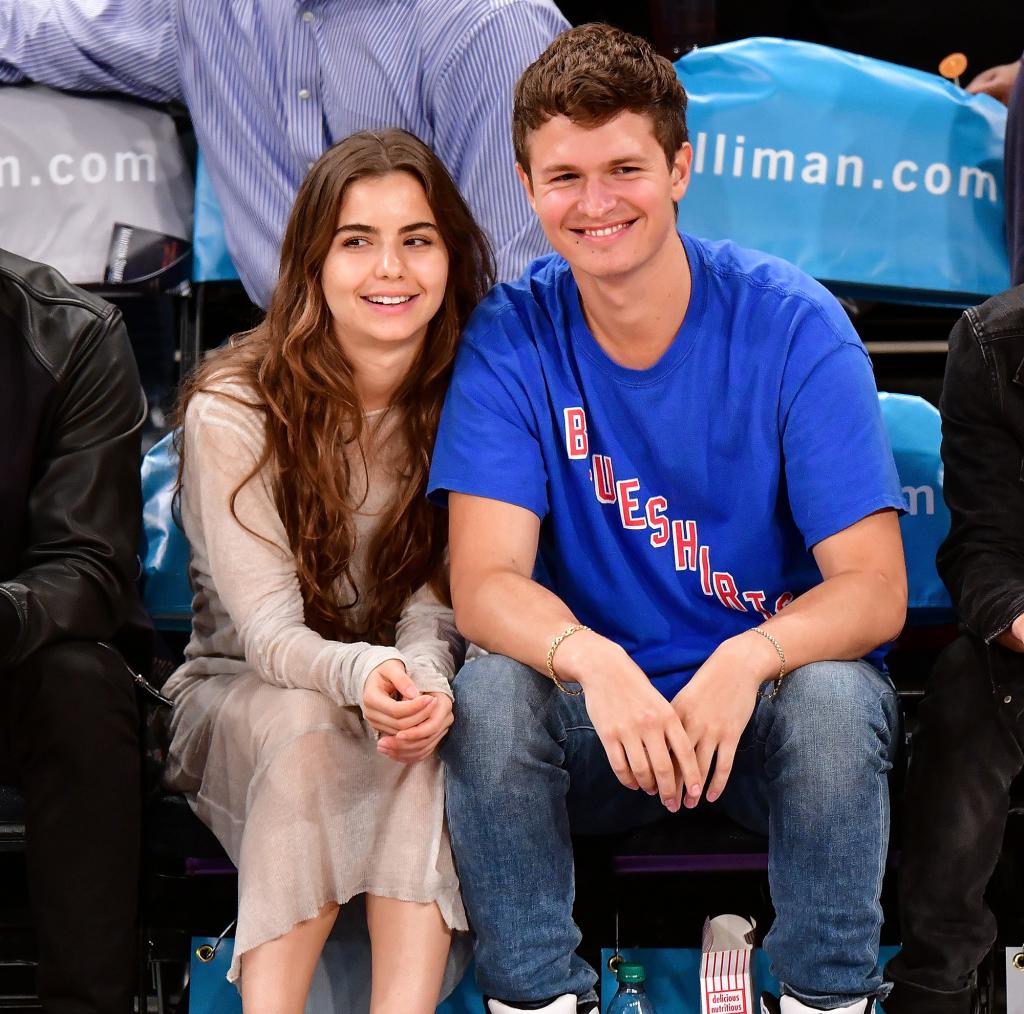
{"x":303,"y":383}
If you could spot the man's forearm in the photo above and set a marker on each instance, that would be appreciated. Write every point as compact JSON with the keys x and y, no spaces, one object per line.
{"x":845,"y":617}
{"x":513,"y":615}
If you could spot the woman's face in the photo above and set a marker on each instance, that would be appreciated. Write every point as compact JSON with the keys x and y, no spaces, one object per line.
{"x":385,"y":273}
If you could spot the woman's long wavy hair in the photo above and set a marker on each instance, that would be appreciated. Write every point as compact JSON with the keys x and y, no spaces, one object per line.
{"x":303,"y":382}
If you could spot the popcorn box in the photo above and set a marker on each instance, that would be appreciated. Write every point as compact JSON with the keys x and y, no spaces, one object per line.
{"x":726,"y":979}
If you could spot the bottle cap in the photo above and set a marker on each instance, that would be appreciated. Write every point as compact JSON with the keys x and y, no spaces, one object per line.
{"x":631,"y":971}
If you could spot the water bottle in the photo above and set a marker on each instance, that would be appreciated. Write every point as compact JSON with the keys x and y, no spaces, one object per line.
{"x":631,"y":997}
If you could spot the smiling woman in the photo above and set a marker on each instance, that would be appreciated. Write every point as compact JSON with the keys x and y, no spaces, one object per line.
{"x":384,"y":282}
{"x":316,"y":688}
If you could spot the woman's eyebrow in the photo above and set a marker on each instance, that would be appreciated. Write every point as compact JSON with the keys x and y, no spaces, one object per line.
{"x":374,"y":231}
{"x":357,"y":227}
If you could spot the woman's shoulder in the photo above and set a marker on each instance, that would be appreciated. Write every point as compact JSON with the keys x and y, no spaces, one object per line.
{"x":226,"y":402}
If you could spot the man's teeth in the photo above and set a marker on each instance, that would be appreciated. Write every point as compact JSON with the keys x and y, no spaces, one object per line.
{"x":609,"y":231}
{"x":389,"y":300}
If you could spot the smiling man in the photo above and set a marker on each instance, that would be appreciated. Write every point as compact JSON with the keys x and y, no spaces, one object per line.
{"x":674,"y":526}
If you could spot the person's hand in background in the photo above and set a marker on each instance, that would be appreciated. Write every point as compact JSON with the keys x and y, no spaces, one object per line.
{"x":996,"y":81}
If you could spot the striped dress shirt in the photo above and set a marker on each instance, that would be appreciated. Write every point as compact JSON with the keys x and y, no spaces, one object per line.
{"x":270,"y":84}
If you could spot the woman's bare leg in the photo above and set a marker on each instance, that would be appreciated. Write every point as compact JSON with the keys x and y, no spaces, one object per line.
{"x":276,"y":976}
{"x":409,"y":942}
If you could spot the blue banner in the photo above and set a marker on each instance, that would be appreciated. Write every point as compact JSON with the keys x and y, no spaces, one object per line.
{"x":867,"y":175}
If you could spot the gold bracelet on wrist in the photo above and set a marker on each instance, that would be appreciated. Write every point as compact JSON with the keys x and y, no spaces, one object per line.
{"x":568,"y":632}
{"x":777,"y":682}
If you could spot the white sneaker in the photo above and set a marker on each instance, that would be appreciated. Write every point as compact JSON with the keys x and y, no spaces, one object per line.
{"x":790,"y":1005}
{"x":565,"y":1004}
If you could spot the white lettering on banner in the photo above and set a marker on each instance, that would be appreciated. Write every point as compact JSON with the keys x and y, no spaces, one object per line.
{"x":937,"y":179}
{"x":637,"y":513}
{"x":914,"y":495}
{"x":10,"y":163}
{"x":982,"y":181}
{"x":61,"y":179}
{"x":898,"y":176}
{"x":774,"y":157}
{"x":135,"y":160}
{"x":842,"y":163}
{"x":93,"y":167}
{"x":816,"y":169}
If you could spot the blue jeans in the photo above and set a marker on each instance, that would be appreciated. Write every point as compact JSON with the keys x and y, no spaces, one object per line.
{"x":524,"y":766}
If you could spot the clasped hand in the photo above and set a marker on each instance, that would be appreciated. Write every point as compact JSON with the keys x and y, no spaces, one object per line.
{"x":411,"y":722}
{"x":667,"y":748}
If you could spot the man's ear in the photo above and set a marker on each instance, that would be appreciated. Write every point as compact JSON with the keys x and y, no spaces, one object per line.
{"x":524,"y":178}
{"x":679,"y":170}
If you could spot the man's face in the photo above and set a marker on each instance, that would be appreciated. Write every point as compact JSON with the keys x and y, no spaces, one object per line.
{"x":604,"y":194}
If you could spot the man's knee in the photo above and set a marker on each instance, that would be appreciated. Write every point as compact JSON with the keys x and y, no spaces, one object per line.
{"x":958,"y":706}
{"x":843,"y":709}
{"x":72,"y":689}
{"x":496,"y":699}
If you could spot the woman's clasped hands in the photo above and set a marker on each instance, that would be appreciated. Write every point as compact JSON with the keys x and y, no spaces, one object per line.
{"x":411,"y":722}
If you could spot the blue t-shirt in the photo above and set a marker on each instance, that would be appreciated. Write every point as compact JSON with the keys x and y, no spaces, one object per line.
{"x":678,"y":504}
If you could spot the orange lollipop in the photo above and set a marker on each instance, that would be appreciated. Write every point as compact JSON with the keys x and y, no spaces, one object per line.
{"x":953,"y":66}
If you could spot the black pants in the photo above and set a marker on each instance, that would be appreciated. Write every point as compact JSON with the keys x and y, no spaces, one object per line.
{"x":966,"y":752}
{"x":69,"y":740}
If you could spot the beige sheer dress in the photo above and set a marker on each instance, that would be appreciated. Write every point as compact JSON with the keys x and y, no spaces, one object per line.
{"x":268,"y":741}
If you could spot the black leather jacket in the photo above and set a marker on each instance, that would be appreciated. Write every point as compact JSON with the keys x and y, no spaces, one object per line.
{"x":71,"y":411}
{"x":982,"y":559}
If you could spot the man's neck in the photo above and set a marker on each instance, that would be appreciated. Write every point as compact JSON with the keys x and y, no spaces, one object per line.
{"x":635,"y":317}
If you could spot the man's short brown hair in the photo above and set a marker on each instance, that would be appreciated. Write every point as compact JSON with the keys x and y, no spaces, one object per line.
{"x":592,"y":73}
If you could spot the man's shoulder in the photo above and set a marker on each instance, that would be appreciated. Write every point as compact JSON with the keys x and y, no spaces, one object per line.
{"x":47,"y":312}
{"x":742,"y":266}
{"x":774,"y":292}
{"x":525,"y":310}
{"x":1001,"y":316}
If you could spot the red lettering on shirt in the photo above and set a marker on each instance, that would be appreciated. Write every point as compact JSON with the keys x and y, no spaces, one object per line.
{"x":656,"y":507}
{"x":726,"y":591}
{"x":783,"y":600}
{"x":705,"y":569}
{"x":685,"y":547}
{"x":604,"y":478}
{"x":629,"y":504}
{"x":576,"y":444}
{"x":756,"y":599}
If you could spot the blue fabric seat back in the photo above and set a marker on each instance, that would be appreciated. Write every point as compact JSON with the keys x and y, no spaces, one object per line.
{"x":164,"y":551}
{"x":211,"y":261}
{"x":915,"y":431}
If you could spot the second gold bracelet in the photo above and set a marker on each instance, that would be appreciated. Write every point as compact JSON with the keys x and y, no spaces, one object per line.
{"x":568,"y":632}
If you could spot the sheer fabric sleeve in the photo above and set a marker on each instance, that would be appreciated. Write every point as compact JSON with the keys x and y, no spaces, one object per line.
{"x":429,"y":641}
{"x":249,"y":560}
